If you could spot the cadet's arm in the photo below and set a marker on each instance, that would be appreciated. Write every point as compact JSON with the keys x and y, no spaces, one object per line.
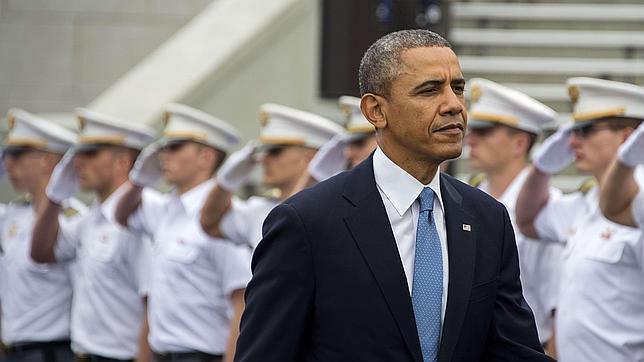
{"x":145,"y":353}
{"x":237,"y":300}
{"x":532,"y":198}
{"x":129,"y":202}
{"x":617,"y":192}
{"x":214,"y":208}
{"x":45,"y":232}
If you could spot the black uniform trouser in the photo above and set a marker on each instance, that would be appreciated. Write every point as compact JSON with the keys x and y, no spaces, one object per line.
{"x":56,"y":351}
{"x":186,"y":357}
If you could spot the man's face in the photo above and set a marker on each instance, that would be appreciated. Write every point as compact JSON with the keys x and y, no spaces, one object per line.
{"x":595,"y":147}
{"x":181,"y":162}
{"x":492,"y":148}
{"x":358,"y":151}
{"x":24,"y":166}
{"x":284,"y":165}
{"x":96,"y":167}
{"x":425,"y":111}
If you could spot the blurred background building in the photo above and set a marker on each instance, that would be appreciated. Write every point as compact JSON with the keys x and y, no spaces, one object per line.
{"x":130,"y":57}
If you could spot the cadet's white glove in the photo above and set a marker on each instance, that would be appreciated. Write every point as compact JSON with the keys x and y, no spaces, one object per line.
{"x":237,"y":168}
{"x":631,"y":152}
{"x":329,"y":160}
{"x":147,"y":169}
{"x":555,"y":152}
{"x":63,"y":182}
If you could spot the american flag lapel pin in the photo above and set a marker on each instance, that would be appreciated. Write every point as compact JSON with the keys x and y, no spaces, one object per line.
{"x":467,"y":227}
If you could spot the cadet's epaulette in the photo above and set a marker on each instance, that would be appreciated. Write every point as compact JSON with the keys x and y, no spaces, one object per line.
{"x":477,"y":179}
{"x":69,"y":211}
{"x":22,"y":200}
{"x":272,"y":193}
{"x":587,"y":185}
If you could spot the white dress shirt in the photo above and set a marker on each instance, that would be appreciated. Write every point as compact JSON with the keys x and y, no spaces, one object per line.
{"x":35,"y":298}
{"x":539,"y":260}
{"x":637,"y":205}
{"x":111,"y":272}
{"x":399,"y":191}
{"x":244,"y":221}
{"x":194,"y":275}
{"x":600,"y":315}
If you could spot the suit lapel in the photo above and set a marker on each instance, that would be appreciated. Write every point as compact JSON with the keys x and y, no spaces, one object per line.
{"x":370,"y":228}
{"x":461,"y":246}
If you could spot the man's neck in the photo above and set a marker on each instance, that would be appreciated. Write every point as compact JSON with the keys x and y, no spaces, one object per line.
{"x":104,"y":194}
{"x":191,"y":184}
{"x":421,"y":169}
{"x":499,"y":180}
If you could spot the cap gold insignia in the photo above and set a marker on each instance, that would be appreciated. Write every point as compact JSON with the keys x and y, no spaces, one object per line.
{"x":573,"y":92}
{"x":11,"y":122}
{"x":475,"y":93}
{"x":263,"y":118}
{"x":81,"y":123}
{"x":346,"y":109}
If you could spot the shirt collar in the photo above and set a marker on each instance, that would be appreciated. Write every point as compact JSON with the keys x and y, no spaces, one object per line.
{"x":401,"y":188}
{"x":193,"y":199}
{"x":108,"y":207}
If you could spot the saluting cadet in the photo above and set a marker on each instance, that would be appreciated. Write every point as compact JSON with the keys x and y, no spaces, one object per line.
{"x":622,"y":197}
{"x":600,"y":313}
{"x":289,"y":140}
{"x":35,"y":299}
{"x":111,"y":263}
{"x":346,"y":150}
{"x":197,"y":286}
{"x":503,"y":126}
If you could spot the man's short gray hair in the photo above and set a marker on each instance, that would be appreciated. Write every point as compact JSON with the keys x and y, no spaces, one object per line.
{"x":381,"y":62}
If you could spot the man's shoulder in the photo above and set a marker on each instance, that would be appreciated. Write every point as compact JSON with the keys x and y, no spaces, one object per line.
{"x":469,"y":194}
{"x":329,"y":191}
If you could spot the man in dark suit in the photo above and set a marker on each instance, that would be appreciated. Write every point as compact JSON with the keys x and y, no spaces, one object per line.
{"x":393,"y":261}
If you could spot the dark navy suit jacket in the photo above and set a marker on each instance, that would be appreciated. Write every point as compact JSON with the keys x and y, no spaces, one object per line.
{"x":328,"y":283}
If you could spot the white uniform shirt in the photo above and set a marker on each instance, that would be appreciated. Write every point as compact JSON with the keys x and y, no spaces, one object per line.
{"x":600,"y":315}
{"x":539,"y":260}
{"x":638,"y":203}
{"x":399,"y":191}
{"x":35,"y":298}
{"x":194,"y":275}
{"x":111,"y":271}
{"x":244,"y":221}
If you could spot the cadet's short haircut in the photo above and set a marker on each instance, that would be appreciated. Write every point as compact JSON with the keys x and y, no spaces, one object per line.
{"x":381,"y":63}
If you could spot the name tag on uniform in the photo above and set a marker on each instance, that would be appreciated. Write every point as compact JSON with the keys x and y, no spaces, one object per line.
{"x":467,"y":227}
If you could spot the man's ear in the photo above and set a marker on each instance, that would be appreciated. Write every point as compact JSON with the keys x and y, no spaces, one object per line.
{"x":372,"y":108}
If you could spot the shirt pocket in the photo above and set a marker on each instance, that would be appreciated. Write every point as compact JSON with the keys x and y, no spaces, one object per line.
{"x":181,"y":251}
{"x":103,"y":249}
{"x":606,"y":252}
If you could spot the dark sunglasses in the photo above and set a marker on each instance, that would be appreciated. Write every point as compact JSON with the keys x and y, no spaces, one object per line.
{"x":586,"y":131}
{"x":482,"y":131}
{"x":16,"y":152}
{"x":275,"y":150}
{"x":92,"y":150}
{"x":174,"y":146}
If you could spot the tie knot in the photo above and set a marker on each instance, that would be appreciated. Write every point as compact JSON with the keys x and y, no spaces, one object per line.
{"x":426,"y":199}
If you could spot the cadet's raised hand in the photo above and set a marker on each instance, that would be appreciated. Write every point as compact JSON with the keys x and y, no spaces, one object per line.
{"x":329,"y":160}
{"x":63,"y":182}
{"x":631,"y":152}
{"x":237,"y":168}
{"x":147,"y":170}
{"x":555,"y":152}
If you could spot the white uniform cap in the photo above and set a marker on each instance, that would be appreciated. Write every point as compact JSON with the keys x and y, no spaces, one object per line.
{"x":28,"y":130}
{"x":595,"y":99}
{"x":287,"y":126}
{"x":187,"y":123}
{"x":492,"y":103}
{"x":356,"y":121}
{"x":100,"y":129}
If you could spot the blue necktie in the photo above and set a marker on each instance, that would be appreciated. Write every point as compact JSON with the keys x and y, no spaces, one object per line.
{"x":427,"y":287}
